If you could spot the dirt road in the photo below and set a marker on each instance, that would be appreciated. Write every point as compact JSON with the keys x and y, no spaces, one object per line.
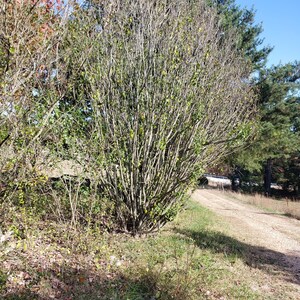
{"x":273,"y":237}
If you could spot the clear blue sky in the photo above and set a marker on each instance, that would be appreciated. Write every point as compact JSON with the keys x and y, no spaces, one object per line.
{"x":281,"y":24}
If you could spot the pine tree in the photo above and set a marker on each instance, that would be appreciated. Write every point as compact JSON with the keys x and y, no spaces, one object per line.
{"x":242,"y":20}
{"x":277,"y":139}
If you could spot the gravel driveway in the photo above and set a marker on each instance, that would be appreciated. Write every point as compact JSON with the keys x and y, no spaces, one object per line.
{"x":271,"y":235}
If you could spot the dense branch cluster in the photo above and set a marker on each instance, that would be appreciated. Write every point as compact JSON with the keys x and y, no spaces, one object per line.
{"x":143,"y":95}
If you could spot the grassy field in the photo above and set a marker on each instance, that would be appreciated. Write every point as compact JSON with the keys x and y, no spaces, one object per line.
{"x":192,"y":258}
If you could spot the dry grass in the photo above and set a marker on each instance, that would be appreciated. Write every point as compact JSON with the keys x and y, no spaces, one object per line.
{"x":192,"y":258}
{"x":280,"y":206}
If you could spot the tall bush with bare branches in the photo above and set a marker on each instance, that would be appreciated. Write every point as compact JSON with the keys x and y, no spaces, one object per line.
{"x":169,"y":97}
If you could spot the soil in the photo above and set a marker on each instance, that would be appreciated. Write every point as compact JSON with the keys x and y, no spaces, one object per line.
{"x":270,"y":237}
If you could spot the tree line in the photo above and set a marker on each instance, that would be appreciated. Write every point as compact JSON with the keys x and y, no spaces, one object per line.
{"x":272,"y":154}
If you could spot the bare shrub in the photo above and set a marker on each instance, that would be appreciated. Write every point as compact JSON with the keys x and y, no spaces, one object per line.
{"x":169,"y":97}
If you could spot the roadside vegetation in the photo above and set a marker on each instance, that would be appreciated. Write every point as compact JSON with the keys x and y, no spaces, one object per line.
{"x":284,"y":206}
{"x":97,"y":90}
{"x":191,"y":258}
{"x":110,"y":112}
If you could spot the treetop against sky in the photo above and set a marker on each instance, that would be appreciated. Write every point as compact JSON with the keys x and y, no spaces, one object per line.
{"x":281,"y":24}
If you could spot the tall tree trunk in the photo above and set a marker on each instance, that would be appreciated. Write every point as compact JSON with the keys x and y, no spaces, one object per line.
{"x":297,"y":188}
{"x":267,"y":177}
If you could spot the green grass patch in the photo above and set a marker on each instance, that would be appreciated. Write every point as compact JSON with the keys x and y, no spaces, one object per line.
{"x":189,"y":259}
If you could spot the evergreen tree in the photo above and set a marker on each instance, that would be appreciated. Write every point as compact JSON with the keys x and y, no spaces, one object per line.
{"x":242,"y":21}
{"x":277,"y":139}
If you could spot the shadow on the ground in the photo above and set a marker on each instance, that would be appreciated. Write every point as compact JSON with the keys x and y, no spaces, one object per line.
{"x":66,"y":282}
{"x":254,"y":256}
{"x":71,"y":283}
{"x":88,"y":284}
{"x":85,"y":285}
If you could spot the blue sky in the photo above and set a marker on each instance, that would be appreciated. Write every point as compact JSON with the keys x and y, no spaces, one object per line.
{"x":281,"y":24}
